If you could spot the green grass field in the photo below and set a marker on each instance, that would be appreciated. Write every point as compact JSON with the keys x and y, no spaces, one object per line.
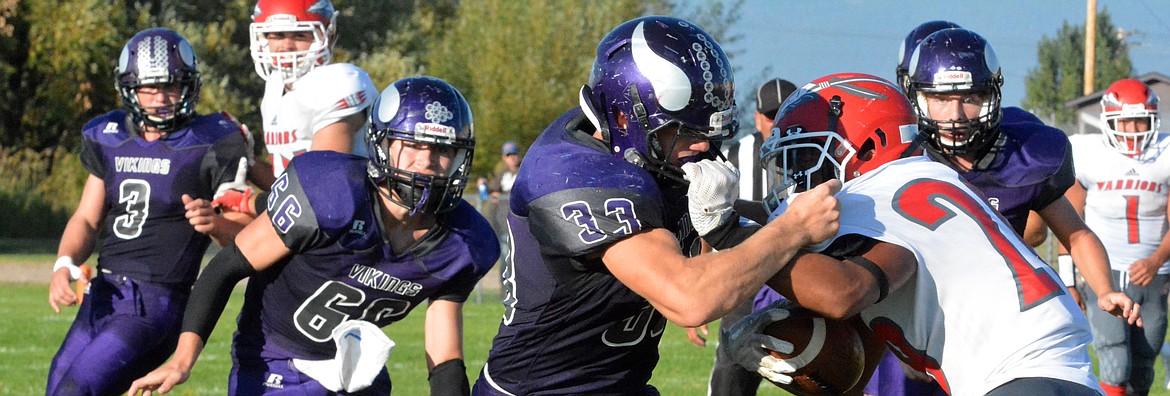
{"x":30,"y":333}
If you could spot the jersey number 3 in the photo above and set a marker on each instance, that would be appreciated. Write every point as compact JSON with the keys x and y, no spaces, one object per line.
{"x":921,"y":200}
{"x":135,"y":195}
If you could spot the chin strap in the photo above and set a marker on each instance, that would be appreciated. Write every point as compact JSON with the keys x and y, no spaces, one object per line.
{"x":659,"y":168}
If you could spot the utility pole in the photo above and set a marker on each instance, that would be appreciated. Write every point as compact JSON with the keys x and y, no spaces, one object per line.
{"x":1090,"y":45}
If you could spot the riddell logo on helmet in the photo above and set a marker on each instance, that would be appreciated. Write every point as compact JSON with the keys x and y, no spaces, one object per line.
{"x":953,"y":77}
{"x":434,"y":132}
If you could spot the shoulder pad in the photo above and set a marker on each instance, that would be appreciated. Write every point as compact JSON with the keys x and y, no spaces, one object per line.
{"x":1037,"y":151}
{"x":557,"y":162}
{"x":107,"y":129}
{"x":323,"y":196}
{"x":339,"y":88}
{"x":469,"y":225}
{"x":206,"y":130}
{"x":1016,"y":115}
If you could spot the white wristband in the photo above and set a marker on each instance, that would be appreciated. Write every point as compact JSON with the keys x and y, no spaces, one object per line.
{"x":1064,"y":267}
{"x":67,"y":262}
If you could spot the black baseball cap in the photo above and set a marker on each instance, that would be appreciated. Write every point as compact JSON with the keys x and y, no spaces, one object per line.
{"x":771,"y":94}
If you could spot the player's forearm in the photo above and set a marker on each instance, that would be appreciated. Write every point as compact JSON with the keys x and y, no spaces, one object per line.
{"x":1089,"y":256}
{"x":730,"y":233}
{"x":212,"y":290}
{"x":77,"y":241}
{"x":227,"y":226}
{"x":1162,"y":253}
{"x":443,"y":330}
{"x":187,"y":351}
{"x":739,"y":272}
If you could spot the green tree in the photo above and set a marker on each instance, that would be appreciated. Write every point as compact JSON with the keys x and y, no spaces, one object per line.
{"x":522,"y":63}
{"x":1059,"y":75}
{"x":56,"y":68}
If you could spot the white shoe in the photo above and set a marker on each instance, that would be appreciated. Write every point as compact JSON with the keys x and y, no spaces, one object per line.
{"x":1165,"y":352}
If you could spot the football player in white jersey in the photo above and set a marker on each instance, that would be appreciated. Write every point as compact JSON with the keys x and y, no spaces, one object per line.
{"x":1123,"y":178}
{"x":309,"y":103}
{"x":927,"y":265}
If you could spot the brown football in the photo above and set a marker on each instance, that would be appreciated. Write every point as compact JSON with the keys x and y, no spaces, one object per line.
{"x":828,"y":355}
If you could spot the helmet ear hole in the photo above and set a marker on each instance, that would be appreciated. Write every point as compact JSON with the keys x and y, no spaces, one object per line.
{"x":866,"y":152}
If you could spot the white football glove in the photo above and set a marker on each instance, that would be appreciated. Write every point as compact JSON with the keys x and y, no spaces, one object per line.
{"x":240,"y":183}
{"x":748,"y":346}
{"x":714,"y":186}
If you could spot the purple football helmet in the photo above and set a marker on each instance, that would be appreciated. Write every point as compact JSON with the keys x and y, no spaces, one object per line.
{"x":423,"y":110}
{"x":158,"y":56}
{"x":957,"y":61}
{"x":916,"y":36}
{"x":659,"y":71}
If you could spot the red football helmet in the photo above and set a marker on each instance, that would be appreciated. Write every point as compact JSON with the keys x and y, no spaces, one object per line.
{"x":270,"y":16}
{"x":1125,"y":99}
{"x":837,"y":127}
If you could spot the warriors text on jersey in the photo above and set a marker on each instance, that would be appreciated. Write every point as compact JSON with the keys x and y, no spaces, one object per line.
{"x":147,"y":235}
{"x":569,"y":326}
{"x":323,"y":96}
{"x":326,"y":212}
{"x":1125,"y":200}
{"x":1029,"y":167}
{"x":982,"y":309}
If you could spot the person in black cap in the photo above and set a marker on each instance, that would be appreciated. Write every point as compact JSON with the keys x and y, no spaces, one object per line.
{"x":727,"y":378}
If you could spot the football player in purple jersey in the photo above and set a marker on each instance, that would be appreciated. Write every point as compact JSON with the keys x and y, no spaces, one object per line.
{"x":1036,"y":232}
{"x":153,"y":169}
{"x":954,"y":87}
{"x":603,"y":220}
{"x":349,"y":245}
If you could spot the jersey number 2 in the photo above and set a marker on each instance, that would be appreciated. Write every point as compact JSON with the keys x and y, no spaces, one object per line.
{"x":921,"y":200}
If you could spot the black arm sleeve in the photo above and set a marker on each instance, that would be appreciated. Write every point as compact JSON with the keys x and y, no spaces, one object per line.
{"x":730,"y":233}
{"x":212,"y":290}
{"x":449,"y":379}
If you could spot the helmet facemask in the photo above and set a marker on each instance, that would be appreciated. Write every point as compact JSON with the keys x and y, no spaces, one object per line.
{"x":1129,"y":143}
{"x":1129,"y":99}
{"x":802,"y":160}
{"x":661,"y":148}
{"x":962,"y":135}
{"x":291,"y":65}
{"x":163,"y":59}
{"x":840,"y":126}
{"x":418,"y":191}
{"x":957,"y":62}
{"x":420,"y":111}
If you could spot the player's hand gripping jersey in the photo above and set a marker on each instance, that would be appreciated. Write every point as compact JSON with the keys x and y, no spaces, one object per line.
{"x":570,"y":326}
{"x":983,"y":309}
{"x":325,"y":211}
{"x":323,"y":96}
{"x":1125,"y":201}
{"x":148,"y":232}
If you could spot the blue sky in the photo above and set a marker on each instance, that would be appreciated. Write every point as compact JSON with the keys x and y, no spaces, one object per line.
{"x":802,"y":40}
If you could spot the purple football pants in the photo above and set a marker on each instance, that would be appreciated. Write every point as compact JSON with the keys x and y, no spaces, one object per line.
{"x":123,"y":330}
{"x":279,"y":377}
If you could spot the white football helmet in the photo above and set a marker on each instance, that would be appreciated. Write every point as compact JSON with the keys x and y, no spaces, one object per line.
{"x":1124,"y":99}
{"x":271,"y":16}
